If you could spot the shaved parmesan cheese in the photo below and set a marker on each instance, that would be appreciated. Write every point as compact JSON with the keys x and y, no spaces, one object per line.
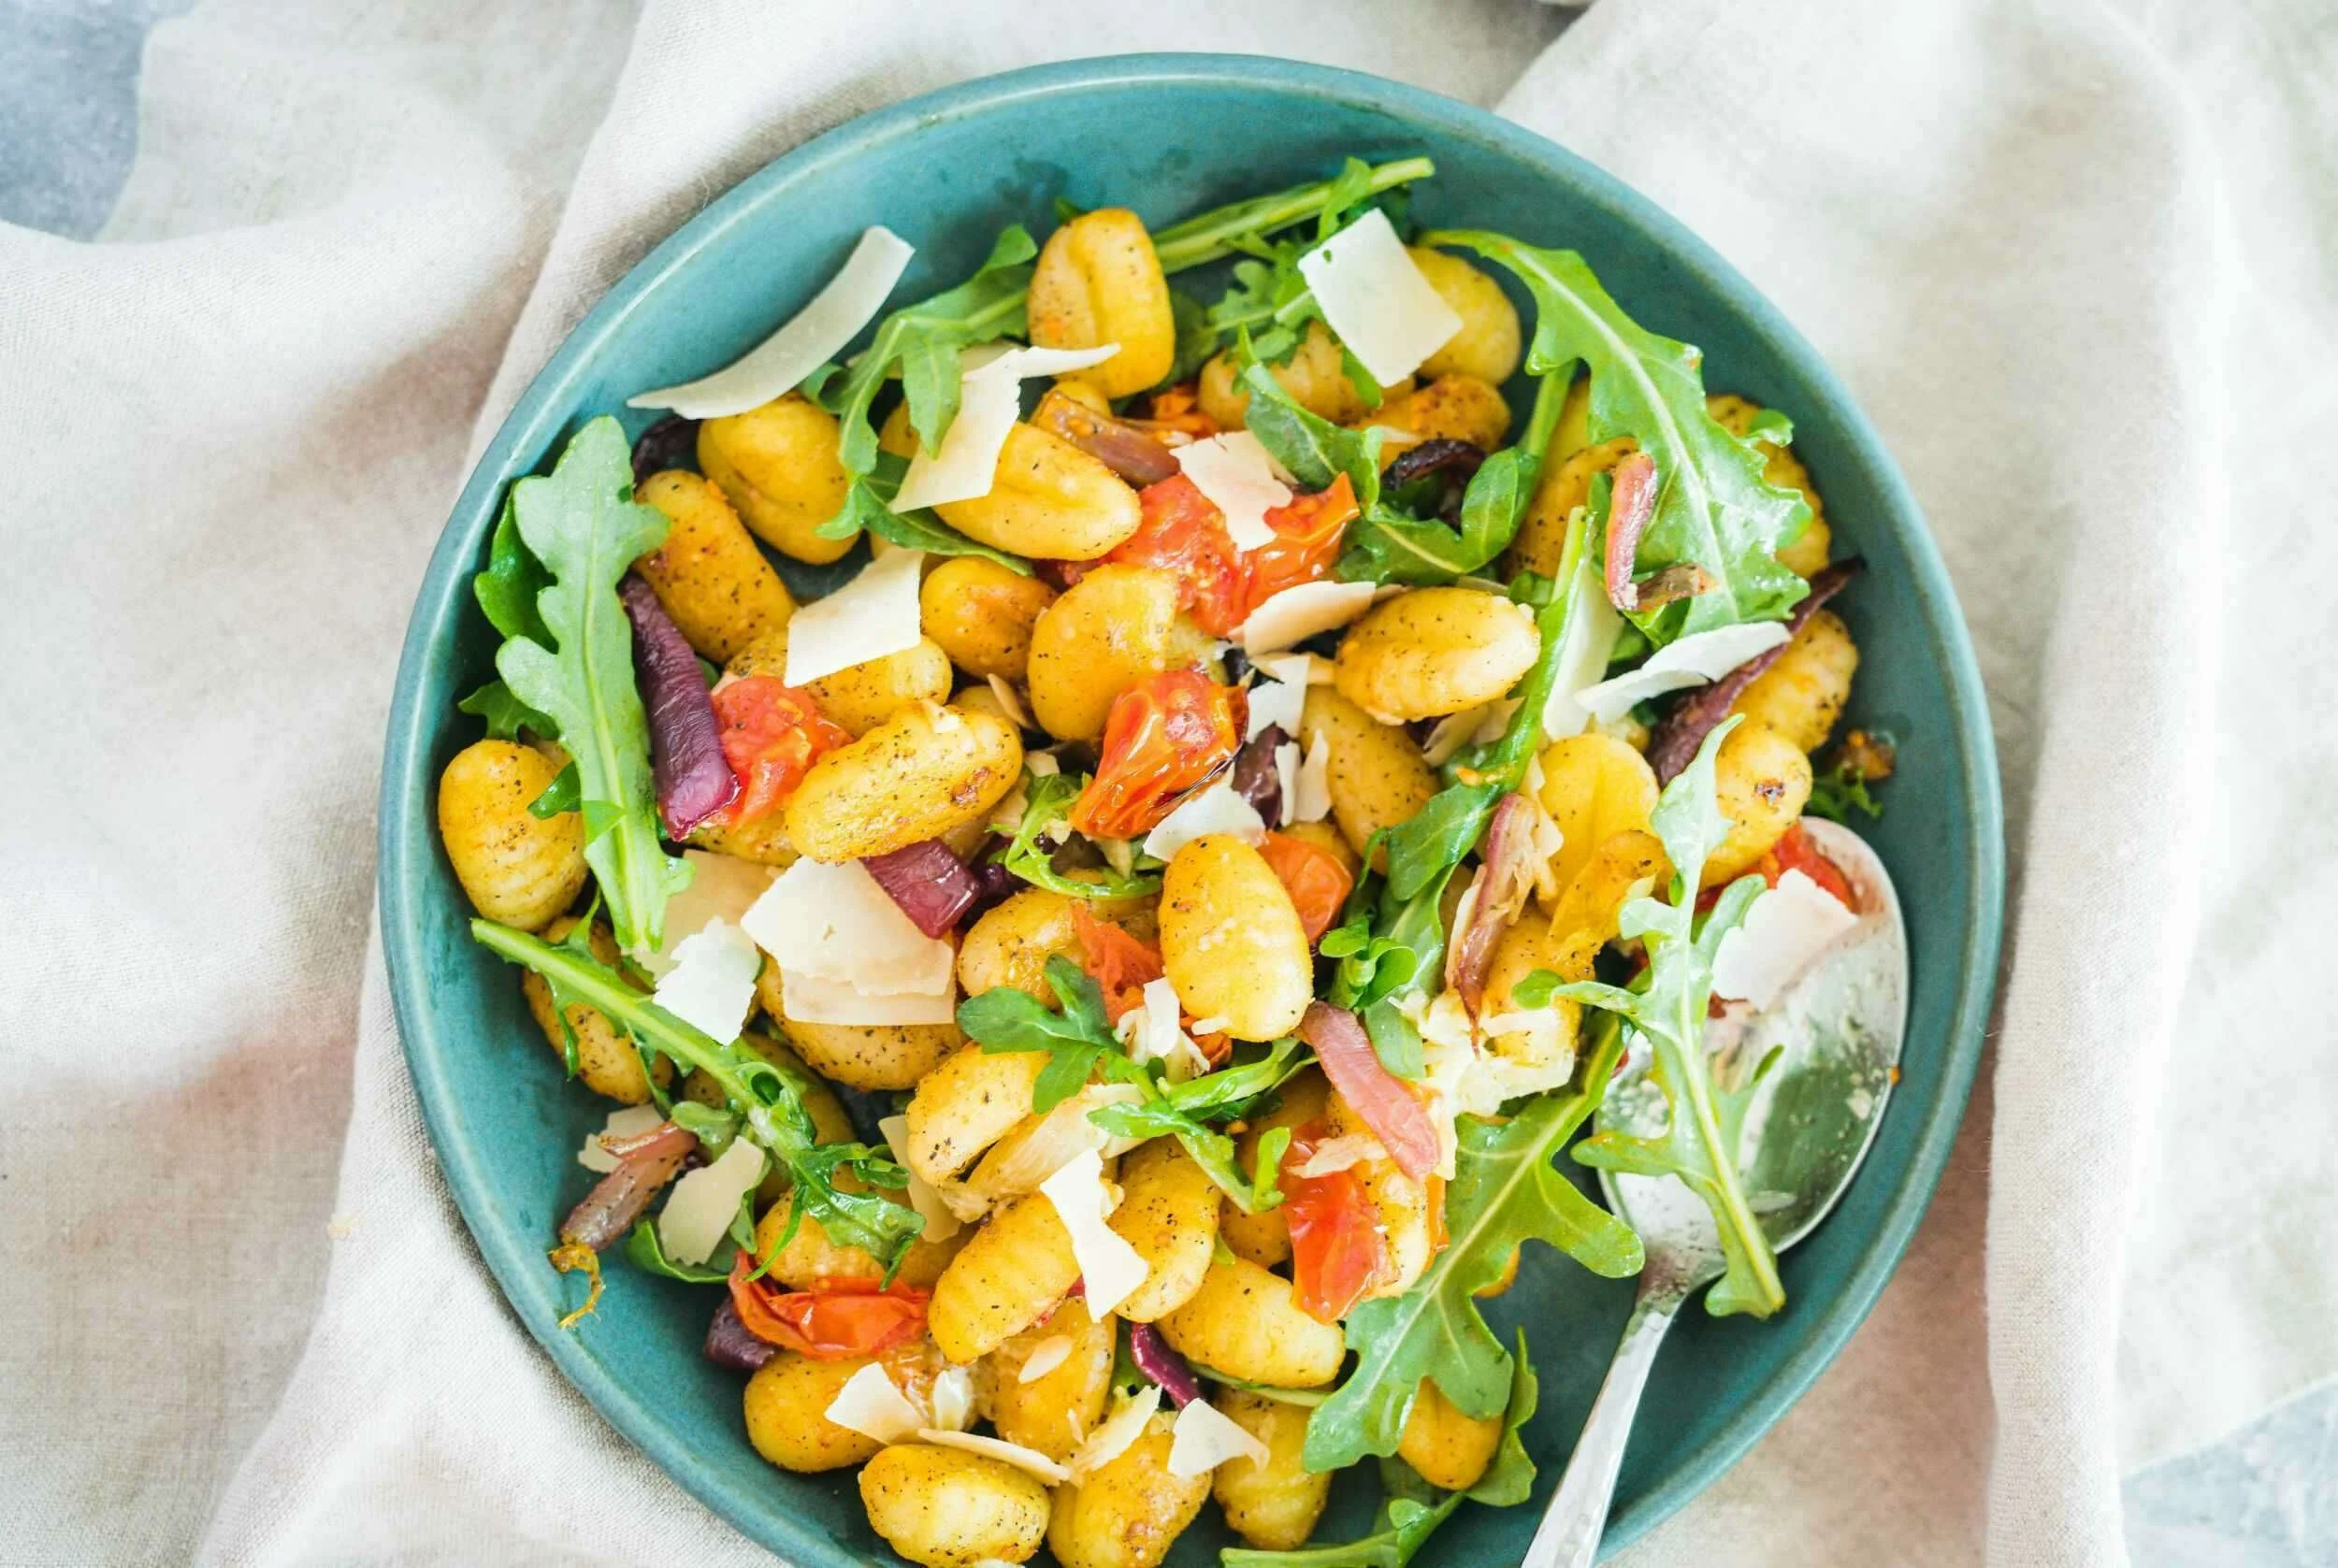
{"x":1276,"y":704}
{"x":1295,"y":669}
{"x":1029,"y":1461}
{"x":1784,"y":930}
{"x":952,"y":1401}
{"x":1026,"y":1158}
{"x":1214,"y":1024}
{"x":1287,"y":775}
{"x":1298,"y":613}
{"x":812,"y":336}
{"x":990,"y":400}
{"x":1376,"y":297}
{"x":1153,"y":1032}
{"x":630,"y":1122}
{"x":1012,"y":700}
{"x":1692,"y":661}
{"x":1123,"y":1427}
{"x":1204,"y":1439}
{"x":834,"y":923}
{"x":1338,"y":1154}
{"x":807,"y":998}
{"x":1237,"y":477}
{"x":1219,"y":809}
{"x":711,"y":987}
{"x":1453,"y":732}
{"x":1047,"y":1355}
{"x":706,"y":1201}
{"x":722,"y":886}
{"x":1109,"y":1266}
{"x":1043,"y":764}
{"x":941,"y":1224}
{"x":873,"y":615}
{"x":1592,"y":628}
{"x":1313,"y":800}
{"x":870,"y":1405}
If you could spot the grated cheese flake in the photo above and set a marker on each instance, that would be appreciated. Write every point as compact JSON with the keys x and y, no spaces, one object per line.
{"x":1047,"y":1355}
{"x":1234,"y":473}
{"x":952,"y":1401}
{"x":711,"y":987}
{"x":630,"y":1121}
{"x":1783,"y":932}
{"x":873,"y":615}
{"x":1313,"y":801}
{"x":721,"y":886}
{"x":1218,"y":809}
{"x":1295,"y":669}
{"x":1287,"y":776}
{"x":1204,"y":1438}
{"x":705,"y":1201}
{"x":1298,"y":613}
{"x":941,"y":1224}
{"x":1376,"y":297}
{"x":1109,"y":1266}
{"x":1118,"y":1431}
{"x":833,"y":922}
{"x":1029,"y":1461}
{"x":807,"y":998}
{"x":870,"y":1405}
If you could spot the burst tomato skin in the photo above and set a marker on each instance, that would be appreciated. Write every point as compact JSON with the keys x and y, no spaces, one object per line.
{"x":1795,"y":852}
{"x":1120,"y":964}
{"x":1337,"y":1247}
{"x":1307,"y":536}
{"x":1183,"y":534}
{"x":826,"y":1325}
{"x":1317,"y":881}
{"x":1164,"y":735}
{"x":771,"y":735}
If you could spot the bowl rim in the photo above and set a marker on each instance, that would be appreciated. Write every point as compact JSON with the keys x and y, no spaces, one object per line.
{"x":541,"y":409}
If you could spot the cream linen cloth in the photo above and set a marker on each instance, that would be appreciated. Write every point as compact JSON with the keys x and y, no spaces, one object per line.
{"x":2075,"y":260}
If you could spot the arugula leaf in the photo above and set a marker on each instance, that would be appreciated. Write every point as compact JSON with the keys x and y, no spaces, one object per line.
{"x":1699,"y":1142}
{"x":1047,"y":803}
{"x":1078,"y":1037}
{"x":1509,"y":1480}
{"x":1840,"y":790}
{"x":1234,"y":1090}
{"x":1309,"y":1397}
{"x":1208,"y":235}
{"x":563,"y":794}
{"x":509,"y":588}
{"x":712,"y":1128}
{"x":506,"y":714}
{"x":767,"y":1098}
{"x":1506,"y":1191}
{"x":1395,"y":1040}
{"x":647,"y":1253}
{"x":1310,"y":447}
{"x":1715,"y":510}
{"x":584,"y":524}
{"x":869,"y":504}
{"x":1197,"y":340}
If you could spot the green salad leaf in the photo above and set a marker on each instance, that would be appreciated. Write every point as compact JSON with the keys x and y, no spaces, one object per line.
{"x":1206,"y":236}
{"x":1699,"y":1143}
{"x":565,"y":793}
{"x":509,"y":588}
{"x":1075,"y":1033}
{"x":506,"y":714}
{"x":583,"y":523}
{"x":1313,"y":450}
{"x":1506,"y":1191}
{"x":1713,"y":510}
{"x":869,"y":505}
{"x":1047,"y":806}
{"x":1837,"y":791}
{"x":647,"y":1253}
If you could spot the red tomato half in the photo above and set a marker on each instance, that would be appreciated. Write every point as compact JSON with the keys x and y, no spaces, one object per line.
{"x":1336,"y":1248}
{"x":771,"y":734}
{"x":1119,"y":964}
{"x":826,"y":1325}
{"x":1183,"y":534}
{"x":1165,"y":734}
{"x":1795,"y":852}
{"x":1317,"y":881}
{"x":1307,"y":535}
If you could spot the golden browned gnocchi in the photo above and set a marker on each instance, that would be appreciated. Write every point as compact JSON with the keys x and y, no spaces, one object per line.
{"x":1110,"y":629}
{"x":1169,"y":1214}
{"x":606,"y":1061}
{"x":1274,"y":1505}
{"x":1046,"y":1386}
{"x":861,"y":697}
{"x":1014,"y":1271}
{"x":1376,"y":777}
{"x":786,"y":1410}
{"x":921,"y":773}
{"x":1760,"y":780}
{"x":1231,"y":941}
{"x":980,"y":615}
{"x":1048,"y":500}
{"x":517,"y":868}
{"x":1542,"y":538}
{"x":779,"y":466}
{"x":1246,"y":1323}
{"x":1450,"y":1449}
{"x":1128,"y":1513}
{"x":1489,"y":343}
{"x":968,"y":1102}
{"x":1783,"y":469}
{"x":1315,"y":375}
{"x":1436,"y":651}
{"x":1012,"y":942}
{"x":1098,"y":281}
{"x":708,"y":573}
{"x":947,"y":1508}
{"x":1803,"y":693}
{"x":1449,"y":409}
{"x":1594,"y":786}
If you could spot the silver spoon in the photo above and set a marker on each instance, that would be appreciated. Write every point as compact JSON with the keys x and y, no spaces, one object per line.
{"x":1812,"y":1121}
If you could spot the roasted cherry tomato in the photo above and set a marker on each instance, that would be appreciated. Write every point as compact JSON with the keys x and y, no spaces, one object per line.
{"x":1119,"y":964}
{"x":1307,"y":535}
{"x":772,"y":733}
{"x":1795,"y":852}
{"x":1182,"y":533}
{"x":826,"y":1325}
{"x":1165,"y":734}
{"x":1312,"y":876}
{"x":1336,"y":1248}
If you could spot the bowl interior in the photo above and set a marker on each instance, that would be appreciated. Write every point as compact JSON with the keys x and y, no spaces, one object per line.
{"x":1171,"y":135}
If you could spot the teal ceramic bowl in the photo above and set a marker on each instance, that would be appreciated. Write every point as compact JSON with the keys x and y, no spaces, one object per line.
{"x":1173,"y":135}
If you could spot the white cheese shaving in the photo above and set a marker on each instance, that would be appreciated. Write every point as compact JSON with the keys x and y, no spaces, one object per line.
{"x":1029,"y":1461}
{"x":1376,"y":297}
{"x":630,"y":1122}
{"x":833,"y":922}
{"x":1012,"y":700}
{"x":870,"y":1405}
{"x":1783,"y":931}
{"x":1204,"y":1438}
{"x":952,"y":1401}
{"x":1295,"y":669}
{"x":1313,"y":800}
{"x":941,"y":1224}
{"x":1452,"y":733}
{"x":1037,"y":1149}
{"x":1152,"y":1031}
{"x":1214,"y":1024}
{"x":1338,"y":1154}
{"x":711,"y":987}
{"x":1298,"y":613}
{"x":1047,"y":1355}
{"x":1276,"y":704}
{"x":1287,"y":775}
{"x":1692,"y":661}
{"x":807,"y":999}
{"x":1109,"y":1266}
{"x":1042,"y":764}
{"x":721,"y":886}
{"x":812,"y":336}
{"x":990,"y":400}
{"x":873,"y":615}
{"x":1235,"y":475}
{"x":1113,"y":1437}
{"x":1219,"y":809}
{"x":1592,"y":629}
{"x":706,"y":1201}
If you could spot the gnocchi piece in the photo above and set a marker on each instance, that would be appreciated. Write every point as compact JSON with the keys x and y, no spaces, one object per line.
{"x":947,"y":1508}
{"x":786,"y":1404}
{"x":920,"y":774}
{"x":1048,"y":500}
{"x":869,"y":1057}
{"x":1315,"y":375}
{"x":1264,"y":1239}
{"x":1129,"y":1513}
{"x":1407,"y":1222}
{"x":1521,"y":950}
{"x":980,"y":615}
{"x":859,"y":696}
{"x":1802,"y":694}
{"x":1246,"y":1323}
{"x":1783,"y":469}
{"x":1274,"y":1505}
{"x":708,"y":574}
{"x":1231,"y":941}
{"x":1010,"y":944}
{"x":1169,"y":1214}
{"x":1761,"y":781}
{"x":1594,"y":786}
{"x":1376,"y":776}
{"x":1450,"y":1449}
{"x":1434,"y":652}
{"x":1008,"y":1277}
{"x":605,"y":1057}
{"x":1055,"y":1411}
{"x":779,"y":466}
{"x":1583,"y":920}
{"x":965,"y":1106}
{"x":1542,"y":538}
{"x":811,"y":1261}
{"x":1098,"y":281}
{"x":515,"y":868}
{"x":1110,"y":629}
{"x":1451,"y":408}
{"x":1489,"y":344}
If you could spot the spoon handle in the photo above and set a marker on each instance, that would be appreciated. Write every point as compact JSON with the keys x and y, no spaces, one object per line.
{"x":1577,"y":1514}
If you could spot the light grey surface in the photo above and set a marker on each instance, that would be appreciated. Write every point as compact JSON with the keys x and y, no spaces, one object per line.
{"x":2266,"y":1498}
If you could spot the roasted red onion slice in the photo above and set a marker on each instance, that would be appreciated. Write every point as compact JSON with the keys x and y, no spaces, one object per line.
{"x":1256,"y":778}
{"x":1119,"y":446}
{"x":1681,"y":730}
{"x":1435,"y":456}
{"x":644,"y":1164}
{"x":673,"y":442}
{"x":1631,"y":504}
{"x":1385,"y":1106}
{"x":1506,"y":875}
{"x":685,"y":747}
{"x":931,"y":883}
{"x":730,"y":1342}
{"x":1165,"y":1366}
